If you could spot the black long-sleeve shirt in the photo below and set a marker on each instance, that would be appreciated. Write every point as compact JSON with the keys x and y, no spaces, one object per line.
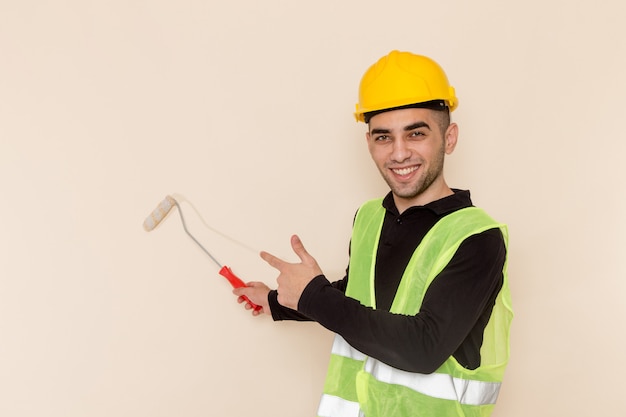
{"x":455,"y":309}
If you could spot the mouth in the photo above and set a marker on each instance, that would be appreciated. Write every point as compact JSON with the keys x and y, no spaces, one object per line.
{"x":403,"y":172}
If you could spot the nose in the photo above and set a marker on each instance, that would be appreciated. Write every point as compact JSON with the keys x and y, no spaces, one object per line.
{"x":400,"y":151}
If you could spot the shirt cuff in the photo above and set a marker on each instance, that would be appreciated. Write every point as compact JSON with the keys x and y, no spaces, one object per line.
{"x":280,"y":312}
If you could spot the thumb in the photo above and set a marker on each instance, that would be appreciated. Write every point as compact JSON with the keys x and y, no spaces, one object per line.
{"x":298,"y":248}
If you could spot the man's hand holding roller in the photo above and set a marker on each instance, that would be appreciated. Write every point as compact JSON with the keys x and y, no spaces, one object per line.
{"x":292,"y":279}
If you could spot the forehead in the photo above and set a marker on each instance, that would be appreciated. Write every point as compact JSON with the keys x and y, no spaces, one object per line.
{"x":403,"y":117}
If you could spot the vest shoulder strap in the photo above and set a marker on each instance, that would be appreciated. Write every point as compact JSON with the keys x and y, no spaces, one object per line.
{"x":363,"y":247}
{"x":435,"y":252}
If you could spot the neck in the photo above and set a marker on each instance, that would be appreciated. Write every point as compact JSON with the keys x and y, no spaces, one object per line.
{"x":429,"y":195}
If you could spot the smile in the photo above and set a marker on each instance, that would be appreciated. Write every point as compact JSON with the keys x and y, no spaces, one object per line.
{"x":405,"y":171}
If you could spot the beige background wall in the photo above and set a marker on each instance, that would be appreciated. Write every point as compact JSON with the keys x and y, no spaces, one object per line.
{"x":244,"y":109}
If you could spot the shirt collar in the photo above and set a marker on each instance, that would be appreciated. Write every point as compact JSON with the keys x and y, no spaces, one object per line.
{"x":460,"y":199}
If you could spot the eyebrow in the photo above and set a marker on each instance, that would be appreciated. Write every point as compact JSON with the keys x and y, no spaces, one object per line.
{"x":416,"y":125}
{"x":407,"y":128}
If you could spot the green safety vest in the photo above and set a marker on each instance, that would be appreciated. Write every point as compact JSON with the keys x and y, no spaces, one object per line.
{"x":358,"y":385}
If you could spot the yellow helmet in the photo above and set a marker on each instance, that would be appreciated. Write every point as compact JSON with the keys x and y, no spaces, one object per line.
{"x":403,"y":79}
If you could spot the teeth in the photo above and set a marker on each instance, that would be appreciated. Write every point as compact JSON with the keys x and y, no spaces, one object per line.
{"x":405,"y":171}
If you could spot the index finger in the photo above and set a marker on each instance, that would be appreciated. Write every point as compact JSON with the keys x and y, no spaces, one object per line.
{"x":272,"y":260}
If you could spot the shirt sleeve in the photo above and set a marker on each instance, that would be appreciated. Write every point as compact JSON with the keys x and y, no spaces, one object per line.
{"x":455,"y":308}
{"x":280,"y":312}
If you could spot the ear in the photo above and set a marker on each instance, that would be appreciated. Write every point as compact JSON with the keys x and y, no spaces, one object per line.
{"x":451,"y":136}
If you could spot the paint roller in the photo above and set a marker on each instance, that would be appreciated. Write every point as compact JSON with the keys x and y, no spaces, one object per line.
{"x":157,"y":216}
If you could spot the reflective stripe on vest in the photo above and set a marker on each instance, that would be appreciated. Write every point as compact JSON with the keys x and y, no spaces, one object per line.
{"x":343,"y":348}
{"x":446,"y":387}
{"x":437,"y":385}
{"x":331,"y":405}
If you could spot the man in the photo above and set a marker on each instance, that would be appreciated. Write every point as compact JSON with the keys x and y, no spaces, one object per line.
{"x":422,"y":317}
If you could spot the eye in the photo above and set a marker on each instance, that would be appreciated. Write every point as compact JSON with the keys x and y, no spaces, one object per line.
{"x":417,"y":134}
{"x":381,"y":138}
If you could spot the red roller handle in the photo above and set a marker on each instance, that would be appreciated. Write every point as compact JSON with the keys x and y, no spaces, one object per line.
{"x":236,"y":282}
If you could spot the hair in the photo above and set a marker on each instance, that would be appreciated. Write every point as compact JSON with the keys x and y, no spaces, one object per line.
{"x":443,"y":119}
{"x":439,"y":107}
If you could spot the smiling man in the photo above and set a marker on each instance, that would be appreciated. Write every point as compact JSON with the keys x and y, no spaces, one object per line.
{"x":422,"y":316}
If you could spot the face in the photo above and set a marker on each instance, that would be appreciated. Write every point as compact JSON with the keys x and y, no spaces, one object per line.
{"x":408,"y":147}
